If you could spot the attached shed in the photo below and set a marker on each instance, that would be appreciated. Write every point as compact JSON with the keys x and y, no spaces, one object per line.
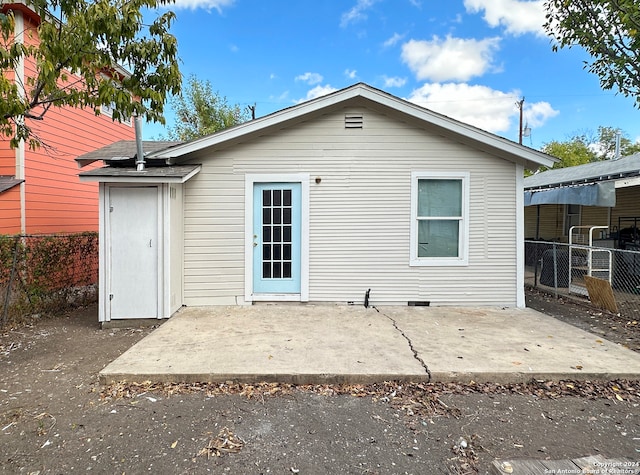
{"x":355,"y":193}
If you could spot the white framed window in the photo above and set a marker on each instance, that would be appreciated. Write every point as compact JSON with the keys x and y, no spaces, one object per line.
{"x":108,"y":111}
{"x":439,"y":219}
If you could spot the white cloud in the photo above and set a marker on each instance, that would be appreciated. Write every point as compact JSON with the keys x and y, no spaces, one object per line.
{"x":394,"y":81}
{"x":310,"y":78}
{"x":351,"y":73}
{"x":538,"y":113}
{"x":481,"y":106}
{"x":449,"y":59}
{"x":516,"y":16}
{"x":393,"y":40}
{"x":317,"y":92}
{"x":357,"y":13}
{"x":204,"y":4}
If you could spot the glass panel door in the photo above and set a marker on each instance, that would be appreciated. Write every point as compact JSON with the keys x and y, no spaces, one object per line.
{"x":276,"y":238}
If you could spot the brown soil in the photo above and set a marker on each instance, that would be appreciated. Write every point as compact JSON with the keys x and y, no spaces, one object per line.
{"x":55,"y":418}
{"x":580,"y":313}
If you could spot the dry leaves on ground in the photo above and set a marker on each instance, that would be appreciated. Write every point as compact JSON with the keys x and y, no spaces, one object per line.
{"x":226,"y":442}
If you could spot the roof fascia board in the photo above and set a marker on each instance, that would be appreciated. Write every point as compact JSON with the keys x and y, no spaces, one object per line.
{"x":129,"y":179}
{"x":487,"y":141}
{"x":620,"y":180}
{"x":627,"y":182}
{"x":89,"y":178}
{"x":22,"y":6}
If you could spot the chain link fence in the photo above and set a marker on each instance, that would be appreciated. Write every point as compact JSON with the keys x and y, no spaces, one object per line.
{"x":562,"y":269}
{"x":46,"y":274}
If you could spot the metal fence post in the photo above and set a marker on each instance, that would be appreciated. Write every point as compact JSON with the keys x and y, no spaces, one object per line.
{"x":555,"y":271}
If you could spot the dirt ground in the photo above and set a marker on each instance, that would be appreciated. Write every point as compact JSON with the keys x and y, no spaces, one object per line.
{"x":56,"y":419}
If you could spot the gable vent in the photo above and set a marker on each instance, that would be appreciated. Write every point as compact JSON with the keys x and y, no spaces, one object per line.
{"x":353,"y":121}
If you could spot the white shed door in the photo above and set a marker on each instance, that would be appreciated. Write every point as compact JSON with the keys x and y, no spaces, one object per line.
{"x":133,"y":238}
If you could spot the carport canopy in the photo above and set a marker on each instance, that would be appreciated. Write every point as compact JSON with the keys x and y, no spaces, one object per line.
{"x":591,"y":194}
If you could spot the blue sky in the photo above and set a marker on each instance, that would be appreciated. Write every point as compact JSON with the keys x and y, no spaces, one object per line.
{"x":468,"y":59}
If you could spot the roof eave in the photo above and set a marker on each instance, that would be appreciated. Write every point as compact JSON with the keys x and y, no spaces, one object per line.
{"x":481,"y":139}
{"x":102,"y":175}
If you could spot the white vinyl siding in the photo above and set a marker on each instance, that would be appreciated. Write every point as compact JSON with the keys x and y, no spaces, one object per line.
{"x":359,"y":213}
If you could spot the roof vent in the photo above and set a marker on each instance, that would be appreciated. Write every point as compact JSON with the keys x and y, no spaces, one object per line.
{"x":353,"y":121}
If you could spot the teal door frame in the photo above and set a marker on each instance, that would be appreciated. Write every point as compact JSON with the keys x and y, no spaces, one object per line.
{"x":277,"y":214}
{"x":276,"y":244}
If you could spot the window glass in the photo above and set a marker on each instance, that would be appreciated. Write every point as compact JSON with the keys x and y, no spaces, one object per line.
{"x":438,"y":238}
{"x":439,"y":198}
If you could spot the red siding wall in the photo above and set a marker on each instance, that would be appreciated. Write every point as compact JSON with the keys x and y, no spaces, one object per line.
{"x":56,"y":200}
{"x":10,"y":211}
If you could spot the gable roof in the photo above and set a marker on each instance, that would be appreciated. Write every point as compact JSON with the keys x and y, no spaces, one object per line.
{"x":606,"y":170}
{"x":464,"y":133}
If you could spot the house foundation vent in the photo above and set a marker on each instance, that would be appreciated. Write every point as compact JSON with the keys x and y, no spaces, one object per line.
{"x":353,"y":121}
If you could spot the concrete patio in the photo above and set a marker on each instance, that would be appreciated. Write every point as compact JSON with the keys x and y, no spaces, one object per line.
{"x":298,"y":343}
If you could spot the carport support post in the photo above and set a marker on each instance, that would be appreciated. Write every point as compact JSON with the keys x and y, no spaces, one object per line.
{"x":555,"y":271}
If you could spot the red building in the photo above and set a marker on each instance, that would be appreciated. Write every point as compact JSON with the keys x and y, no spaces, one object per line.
{"x":40,"y":192}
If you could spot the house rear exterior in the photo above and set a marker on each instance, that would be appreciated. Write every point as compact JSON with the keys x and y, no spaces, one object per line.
{"x":354,"y":194}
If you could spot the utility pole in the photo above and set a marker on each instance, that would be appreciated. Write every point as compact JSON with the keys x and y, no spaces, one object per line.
{"x":520,"y":105}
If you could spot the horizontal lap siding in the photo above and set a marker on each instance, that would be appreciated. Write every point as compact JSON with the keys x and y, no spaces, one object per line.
{"x":10,"y":211}
{"x":56,"y":200}
{"x":594,"y":216}
{"x":214,"y":234}
{"x":627,"y":206}
{"x":551,"y":222}
{"x":359,"y":217}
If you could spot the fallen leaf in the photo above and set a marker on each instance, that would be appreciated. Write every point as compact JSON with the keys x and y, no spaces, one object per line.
{"x":173,"y":446}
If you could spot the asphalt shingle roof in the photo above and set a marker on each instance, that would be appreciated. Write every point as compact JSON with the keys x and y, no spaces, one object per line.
{"x":587,"y":173}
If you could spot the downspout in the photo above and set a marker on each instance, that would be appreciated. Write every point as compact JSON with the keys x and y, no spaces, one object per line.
{"x":137,"y":121}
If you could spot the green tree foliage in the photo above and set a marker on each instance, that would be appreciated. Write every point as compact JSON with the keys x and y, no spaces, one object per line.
{"x":201,"y":111}
{"x":572,"y":152}
{"x":589,"y":147}
{"x":606,"y":143}
{"x":79,"y":60}
{"x":608,"y":31}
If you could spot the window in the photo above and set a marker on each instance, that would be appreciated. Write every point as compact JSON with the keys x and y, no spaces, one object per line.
{"x":108,"y":111}
{"x":571,"y":218}
{"x":439,"y":219}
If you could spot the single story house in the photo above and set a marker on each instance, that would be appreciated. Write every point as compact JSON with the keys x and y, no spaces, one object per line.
{"x":605,"y":193}
{"x":352,"y":196}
